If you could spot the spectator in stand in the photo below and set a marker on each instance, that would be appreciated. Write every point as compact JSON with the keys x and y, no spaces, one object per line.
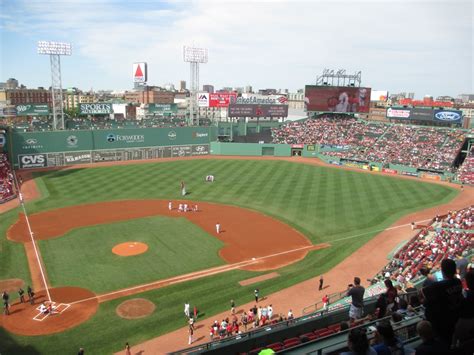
{"x":443,"y":301}
{"x":391,"y":296}
{"x":464,"y":330}
{"x":386,"y":342}
{"x":356,"y":292}
{"x":358,"y":343}
{"x":430,"y":345}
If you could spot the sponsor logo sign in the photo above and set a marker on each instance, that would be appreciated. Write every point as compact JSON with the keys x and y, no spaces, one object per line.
{"x":72,"y":141}
{"x":28,"y":161}
{"x":337,"y":99}
{"x":200,"y":134}
{"x":448,"y":116}
{"x":95,"y":109}
{"x":126,"y":138}
{"x":203,"y":99}
{"x":3,"y":140}
{"x":172,"y":135}
{"x":200,"y":150}
{"x":32,"y":110}
{"x":77,"y":158}
{"x":247,"y":110}
{"x":255,"y":100}
{"x":389,"y":171}
{"x":298,"y":146}
{"x":398,"y":113}
{"x":221,"y":99}
{"x":31,"y":143}
{"x":162,"y":108}
{"x":422,"y":114}
{"x":140,"y":72}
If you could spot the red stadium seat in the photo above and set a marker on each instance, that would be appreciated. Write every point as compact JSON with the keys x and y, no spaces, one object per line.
{"x":291,"y":340}
{"x":308,"y":337}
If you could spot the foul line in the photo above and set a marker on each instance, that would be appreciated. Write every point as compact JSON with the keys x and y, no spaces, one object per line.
{"x":20,"y":197}
{"x":217,"y":270}
{"x":378,"y":230}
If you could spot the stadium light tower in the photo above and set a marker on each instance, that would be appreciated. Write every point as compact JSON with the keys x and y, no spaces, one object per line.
{"x":55,"y":50}
{"x":194,"y":56}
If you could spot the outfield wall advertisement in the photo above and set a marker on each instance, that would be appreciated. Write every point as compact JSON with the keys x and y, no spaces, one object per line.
{"x":336,"y":99}
{"x":205,"y":99}
{"x":46,"y":149}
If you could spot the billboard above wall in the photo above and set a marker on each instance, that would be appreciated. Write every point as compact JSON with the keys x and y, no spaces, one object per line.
{"x":205,"y":99}
{"x":337,"y":99}
{"x":248,"y":110}
{"x":32,"y":110}
{"x":97,"y":108}
{"x":425,"y":114}
{"x":140,"y":72}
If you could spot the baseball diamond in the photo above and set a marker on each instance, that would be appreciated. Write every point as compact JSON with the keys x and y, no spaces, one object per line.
{"x":333,"y":212}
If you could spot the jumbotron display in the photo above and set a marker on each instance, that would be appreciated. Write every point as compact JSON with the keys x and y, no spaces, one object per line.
{"x":336,"y":99}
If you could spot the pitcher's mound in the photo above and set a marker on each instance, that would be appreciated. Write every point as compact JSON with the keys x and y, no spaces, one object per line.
{"x":130,"y":248}
{"x":135,"y":308}
{"x":24,"y":320}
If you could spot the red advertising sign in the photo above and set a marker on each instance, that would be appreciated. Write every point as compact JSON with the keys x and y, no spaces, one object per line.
{"x":221,"y":100}
{"x":336,"y":99}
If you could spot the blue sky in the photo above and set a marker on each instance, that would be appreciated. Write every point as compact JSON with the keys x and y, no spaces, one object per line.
{"x":420,"y":46}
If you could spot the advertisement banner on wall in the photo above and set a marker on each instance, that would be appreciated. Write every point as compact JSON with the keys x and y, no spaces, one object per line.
{"x":32,"y":110}
{"x":221,"y":100}
{"x":399,"y":113}
{"x":421,"y":114}
{"x":337,"y":99}
{"x":97,"y":108}
{"x":202,"y":99}
{"x":162,"y":108}
{"x":244,"y":110}
{"x":448,"y":116}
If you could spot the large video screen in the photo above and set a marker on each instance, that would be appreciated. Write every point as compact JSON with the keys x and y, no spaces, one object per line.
{"x":336,"y":99}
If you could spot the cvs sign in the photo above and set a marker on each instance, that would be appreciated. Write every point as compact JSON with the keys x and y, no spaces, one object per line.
{"x":28,"y":161}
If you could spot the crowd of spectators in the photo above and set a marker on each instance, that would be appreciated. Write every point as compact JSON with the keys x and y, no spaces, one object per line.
{"x":6,"y":179}
{"x":415,"y":146}
{"x":466,"y":171}
{"x":449,"y":236}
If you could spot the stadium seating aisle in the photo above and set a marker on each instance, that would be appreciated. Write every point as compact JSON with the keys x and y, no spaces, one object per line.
{"x":6,"y":179}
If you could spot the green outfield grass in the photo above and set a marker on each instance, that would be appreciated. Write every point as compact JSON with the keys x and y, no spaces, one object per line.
{"x":326,"y":204}
{"x":175,"y":247}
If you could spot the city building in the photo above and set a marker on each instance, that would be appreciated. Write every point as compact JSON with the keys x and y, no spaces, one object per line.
{"x":21,"y":96}
{"x":296,"y":100}
{"x":182,"y":85}
{"x":11,"y":83}
{"x":150,"y":95}
{"x":248,"y":89}
{"x":208,"y":88}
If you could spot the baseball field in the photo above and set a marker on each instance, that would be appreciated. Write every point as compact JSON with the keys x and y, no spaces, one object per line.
{"x":298,"y":219}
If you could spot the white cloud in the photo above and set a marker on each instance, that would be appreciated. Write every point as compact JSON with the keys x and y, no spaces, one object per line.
{"x":284,"y":44}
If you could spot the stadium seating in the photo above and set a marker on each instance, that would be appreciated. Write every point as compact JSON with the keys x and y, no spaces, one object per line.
{"x":415,"y":146}
{"x":466,"y":171}
{"x":6,"y":179}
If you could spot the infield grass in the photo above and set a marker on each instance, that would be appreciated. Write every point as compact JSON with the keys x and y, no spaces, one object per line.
{"x":326,"y":204}
{"x":175,"y":247}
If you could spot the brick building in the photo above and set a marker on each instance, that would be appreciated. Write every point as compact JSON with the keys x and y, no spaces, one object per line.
{"x":150,"y":95}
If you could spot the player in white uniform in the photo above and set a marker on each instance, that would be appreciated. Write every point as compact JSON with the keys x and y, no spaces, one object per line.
{"x":170,"y":206}
{"x":218,"y":228}
{"x":185,"y":207}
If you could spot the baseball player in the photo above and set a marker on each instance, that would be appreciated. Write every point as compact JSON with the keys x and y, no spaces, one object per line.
{"x":170,"y":206}
{"x":218,"y":228}
{"x":180,"y":207}
{"x":185,"y":207}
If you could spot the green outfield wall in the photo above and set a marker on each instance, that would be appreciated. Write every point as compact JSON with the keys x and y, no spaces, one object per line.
{"x":250,"y":149}
{"x":58,"y":148}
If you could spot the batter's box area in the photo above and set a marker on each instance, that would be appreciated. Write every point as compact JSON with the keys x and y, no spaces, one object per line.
{"x":44,"y":311}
